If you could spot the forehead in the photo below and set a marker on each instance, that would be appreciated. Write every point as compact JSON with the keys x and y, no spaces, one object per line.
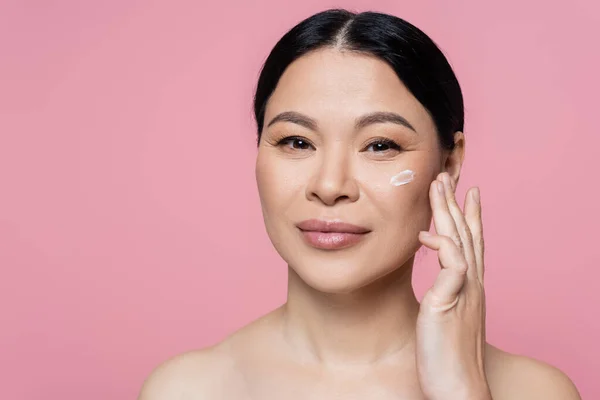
{"x":333,"y":85}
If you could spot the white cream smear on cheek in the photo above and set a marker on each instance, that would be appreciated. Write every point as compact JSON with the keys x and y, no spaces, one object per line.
{"x":402,"y":178}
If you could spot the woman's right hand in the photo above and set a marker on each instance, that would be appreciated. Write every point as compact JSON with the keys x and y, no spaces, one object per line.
{"x":451,"y":321}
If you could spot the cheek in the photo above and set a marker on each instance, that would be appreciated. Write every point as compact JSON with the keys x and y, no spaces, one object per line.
{"x":266,"y":181}
{"x":401,"y":194}
{"x":403,"y":178}
{"x":276,"y":182}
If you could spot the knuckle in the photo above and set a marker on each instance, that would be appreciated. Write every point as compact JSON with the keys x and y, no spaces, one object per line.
{"x":480,"y":241}
{"x":466,"y":231}
{"x":457,"y":240}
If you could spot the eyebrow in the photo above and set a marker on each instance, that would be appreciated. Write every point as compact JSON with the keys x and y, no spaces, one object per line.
{"x":378,"y":117}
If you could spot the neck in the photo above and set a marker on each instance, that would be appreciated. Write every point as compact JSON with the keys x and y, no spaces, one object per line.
{"x":371,"y":325}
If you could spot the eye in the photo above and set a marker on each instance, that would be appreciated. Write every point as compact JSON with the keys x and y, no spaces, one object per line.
{"x":295,"y":143}
{"x":383,"y":145}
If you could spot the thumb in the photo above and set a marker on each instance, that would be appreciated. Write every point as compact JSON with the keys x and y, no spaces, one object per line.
{"x":452,"y":276}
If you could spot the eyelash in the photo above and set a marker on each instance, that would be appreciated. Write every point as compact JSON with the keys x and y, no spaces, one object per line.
{"x":383,"y":141}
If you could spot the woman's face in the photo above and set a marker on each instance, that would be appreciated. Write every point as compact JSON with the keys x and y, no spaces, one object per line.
{"x":319,"y":164}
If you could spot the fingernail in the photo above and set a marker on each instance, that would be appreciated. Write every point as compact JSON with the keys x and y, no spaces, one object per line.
{"x":446,"y":179}
{"x":425,"y":233}
{"x":476,"y":195}
{"x":440,"y":186}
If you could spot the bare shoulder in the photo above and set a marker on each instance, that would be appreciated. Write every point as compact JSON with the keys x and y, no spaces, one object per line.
{"x":198,"y":374}
{"x":216,"y":372}
{"x":517,"y":377}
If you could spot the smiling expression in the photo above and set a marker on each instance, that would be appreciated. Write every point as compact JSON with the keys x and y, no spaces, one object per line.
{"x":338,"y":128}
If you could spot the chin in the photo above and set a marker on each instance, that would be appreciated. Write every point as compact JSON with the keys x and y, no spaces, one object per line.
{"x":342,"y":271}
{"x":338,"y":277}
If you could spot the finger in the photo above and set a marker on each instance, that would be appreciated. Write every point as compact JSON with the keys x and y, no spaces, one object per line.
{"x":474,"y":220}
{"x":442,"y":219}
{"x":452,"y":276}
{"x":461,"y":225}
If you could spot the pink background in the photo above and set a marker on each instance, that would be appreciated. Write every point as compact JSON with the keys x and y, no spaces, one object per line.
{"x":130,"y":227}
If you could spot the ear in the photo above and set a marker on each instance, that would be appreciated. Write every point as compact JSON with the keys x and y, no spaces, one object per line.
{"x":454,"y":158}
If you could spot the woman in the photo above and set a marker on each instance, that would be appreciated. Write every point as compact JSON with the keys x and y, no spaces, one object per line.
{"x":360,"y":146}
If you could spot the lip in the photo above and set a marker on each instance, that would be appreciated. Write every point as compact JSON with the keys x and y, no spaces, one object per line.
{"x":331,"y":235}
{"x":317,"y":225}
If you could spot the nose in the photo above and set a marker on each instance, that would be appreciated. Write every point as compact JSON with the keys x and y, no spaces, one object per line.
{"x":333,"y":181}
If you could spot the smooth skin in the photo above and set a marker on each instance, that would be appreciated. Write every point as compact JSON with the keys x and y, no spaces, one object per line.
{"x":351,"y":327}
